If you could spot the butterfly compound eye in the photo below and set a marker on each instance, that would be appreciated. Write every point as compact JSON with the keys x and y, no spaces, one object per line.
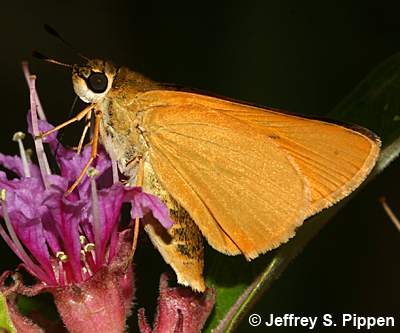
{"x":97,"y":82}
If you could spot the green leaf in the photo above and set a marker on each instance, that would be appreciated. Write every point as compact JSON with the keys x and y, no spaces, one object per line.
{"x":5,"y":321}
{"x":374,"y":104}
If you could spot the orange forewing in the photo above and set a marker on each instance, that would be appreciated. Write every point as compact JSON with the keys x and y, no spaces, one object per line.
{"x":333,"y":159}
{"x":245,"y":193}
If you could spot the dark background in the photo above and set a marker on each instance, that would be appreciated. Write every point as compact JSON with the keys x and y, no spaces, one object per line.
{"x":303,"y":56}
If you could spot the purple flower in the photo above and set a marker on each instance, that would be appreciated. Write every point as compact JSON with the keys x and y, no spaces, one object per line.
{"x":72,"y":244}
{"x":180,"y":310}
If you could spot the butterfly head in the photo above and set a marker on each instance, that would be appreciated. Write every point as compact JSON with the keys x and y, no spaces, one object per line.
{"x":93,"y":80}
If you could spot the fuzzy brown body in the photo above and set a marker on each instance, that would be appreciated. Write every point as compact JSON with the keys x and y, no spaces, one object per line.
{"x":123,"y":136}
{"x":243,"y":177}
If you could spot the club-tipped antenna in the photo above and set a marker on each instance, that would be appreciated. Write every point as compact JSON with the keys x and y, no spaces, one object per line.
{"x":41,"y":56}
{"x":50,"y":30}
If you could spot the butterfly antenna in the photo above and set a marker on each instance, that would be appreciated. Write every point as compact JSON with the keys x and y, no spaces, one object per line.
{"x":50,"y":30}
{"x":41,"y":56}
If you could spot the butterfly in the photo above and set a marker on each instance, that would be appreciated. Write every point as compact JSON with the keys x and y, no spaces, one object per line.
{"x":241,"y":176}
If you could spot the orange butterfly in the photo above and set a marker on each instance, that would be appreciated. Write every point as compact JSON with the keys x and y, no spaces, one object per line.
{"x":243,"y":177}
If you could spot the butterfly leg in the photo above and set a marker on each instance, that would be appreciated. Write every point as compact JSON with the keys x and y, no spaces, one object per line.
{"x":96,"y":131}
{"x":139,"y":182}
{"x":85,"y":129}
{"x":78,"y":117}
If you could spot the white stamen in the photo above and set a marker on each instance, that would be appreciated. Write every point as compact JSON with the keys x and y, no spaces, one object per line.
{"x":82,"y":240}
{"x":114,"y":166}
{"x":19,"y":136}
{"x":27,"y":74}
{"x":60,"y":255}
{"x":41,"y":156}
{"x":89,"y":247}
{"x":62,"y":275}
{"x":86,"y":268}
{"x":29,"y":154}
{"x":92,"y":172}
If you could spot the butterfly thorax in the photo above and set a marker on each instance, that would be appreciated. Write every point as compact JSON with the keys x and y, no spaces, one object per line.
{"x":114,"y":92}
